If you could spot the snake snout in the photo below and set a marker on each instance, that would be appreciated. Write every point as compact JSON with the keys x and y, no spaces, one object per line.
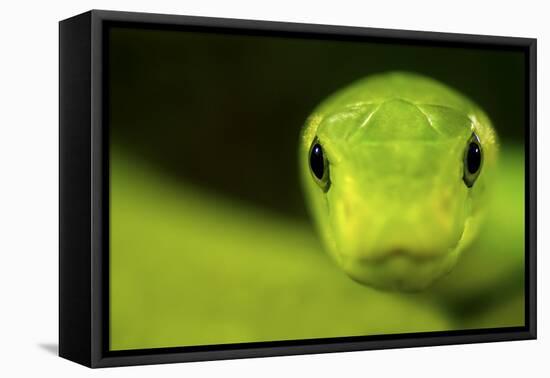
{"x":398,"y":268}
{"x":411,"y":254}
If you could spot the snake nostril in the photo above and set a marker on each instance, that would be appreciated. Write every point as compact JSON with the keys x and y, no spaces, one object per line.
{"x":445,"y":204}
{"x":347,"y":209}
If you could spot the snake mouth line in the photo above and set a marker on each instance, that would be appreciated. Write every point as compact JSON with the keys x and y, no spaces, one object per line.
{"x":403,"y":254}
{"x":406,"y":254}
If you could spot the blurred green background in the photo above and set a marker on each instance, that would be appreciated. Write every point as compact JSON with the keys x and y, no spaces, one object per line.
{"x":210,"y":239}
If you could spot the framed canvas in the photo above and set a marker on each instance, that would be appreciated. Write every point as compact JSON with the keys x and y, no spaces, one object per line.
{"x":234,"y":188}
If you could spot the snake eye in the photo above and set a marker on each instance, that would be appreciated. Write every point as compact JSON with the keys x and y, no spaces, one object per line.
{"x":319,"y":166}
{"x":473,"y":158}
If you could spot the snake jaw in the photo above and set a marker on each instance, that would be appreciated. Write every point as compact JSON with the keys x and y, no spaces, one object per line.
{"x":401,"y":272}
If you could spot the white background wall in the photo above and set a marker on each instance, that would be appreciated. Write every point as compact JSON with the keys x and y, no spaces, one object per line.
{"x":29,"y":186}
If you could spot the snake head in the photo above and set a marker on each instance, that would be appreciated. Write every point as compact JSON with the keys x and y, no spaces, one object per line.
{"x":396,"y":183}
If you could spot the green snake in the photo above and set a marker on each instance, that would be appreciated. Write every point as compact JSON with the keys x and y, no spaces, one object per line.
{"x":396,"y":168}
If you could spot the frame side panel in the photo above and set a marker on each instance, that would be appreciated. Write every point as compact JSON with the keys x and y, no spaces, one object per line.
{"x":75,"y":189}
{"x":531,"y":169}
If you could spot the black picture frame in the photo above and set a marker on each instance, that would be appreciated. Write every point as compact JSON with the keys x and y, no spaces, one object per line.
{"x":84,"y":199}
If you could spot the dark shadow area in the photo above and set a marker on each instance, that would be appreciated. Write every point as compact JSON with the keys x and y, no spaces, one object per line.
{"x":224,"y":112}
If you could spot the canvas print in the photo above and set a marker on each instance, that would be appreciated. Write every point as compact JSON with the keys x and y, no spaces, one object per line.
{"x":272,"y":188}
